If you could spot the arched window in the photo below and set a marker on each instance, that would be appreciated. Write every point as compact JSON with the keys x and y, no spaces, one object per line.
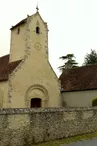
{"x":35,"y":102}
{"x":37,"y":30}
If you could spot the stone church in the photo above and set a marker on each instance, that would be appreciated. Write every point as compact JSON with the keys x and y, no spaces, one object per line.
{"x":27,"y":79}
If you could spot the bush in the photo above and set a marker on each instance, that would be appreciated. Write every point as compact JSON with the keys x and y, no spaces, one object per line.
{"x":94,"y":102}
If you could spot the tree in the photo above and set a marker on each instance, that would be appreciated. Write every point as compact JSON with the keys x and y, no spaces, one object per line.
{"x":69,"y":62}
{"x":90,"y":58}
{"x":94,"y":102}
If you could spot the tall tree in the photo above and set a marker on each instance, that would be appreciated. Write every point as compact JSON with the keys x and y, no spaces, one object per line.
{"x":69,"y":62}
{"x":90,"y":58}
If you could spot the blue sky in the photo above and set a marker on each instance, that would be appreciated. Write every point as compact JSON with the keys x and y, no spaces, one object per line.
{"x":72,"y":25}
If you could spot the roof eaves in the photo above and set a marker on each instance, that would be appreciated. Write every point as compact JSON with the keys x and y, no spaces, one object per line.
{"x":18,"y":24}
{"x":78,"y":90}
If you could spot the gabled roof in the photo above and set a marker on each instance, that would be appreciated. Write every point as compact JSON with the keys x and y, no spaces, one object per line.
{"x":25,"y":20}
{"x":6,"y":68}
{"x":79,"y":79}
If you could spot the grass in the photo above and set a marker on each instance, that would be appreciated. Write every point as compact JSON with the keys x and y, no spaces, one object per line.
{"x":68,"y":140}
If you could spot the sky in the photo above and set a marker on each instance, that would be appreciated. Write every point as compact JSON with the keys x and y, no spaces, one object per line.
{"x":72,"y":26}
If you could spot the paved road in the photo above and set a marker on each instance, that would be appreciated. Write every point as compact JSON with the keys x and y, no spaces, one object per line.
{"x":91,"y":142}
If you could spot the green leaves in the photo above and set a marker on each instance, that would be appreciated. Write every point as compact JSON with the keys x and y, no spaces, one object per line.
{"x":90,"y":58}
{"x":69,"y":62}
{"x":94,"y":102}
{"x":68,"y":56}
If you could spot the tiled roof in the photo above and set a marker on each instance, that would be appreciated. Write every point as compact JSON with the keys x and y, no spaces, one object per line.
{"x":78,"y":79}
{"x":6,"y":68}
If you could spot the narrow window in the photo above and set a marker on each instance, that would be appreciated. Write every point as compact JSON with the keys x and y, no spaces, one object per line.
{"x":37,"y":30}
{"x":18,"y":31}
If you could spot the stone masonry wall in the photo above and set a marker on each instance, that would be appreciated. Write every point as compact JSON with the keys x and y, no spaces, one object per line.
{"x":24,"y":127}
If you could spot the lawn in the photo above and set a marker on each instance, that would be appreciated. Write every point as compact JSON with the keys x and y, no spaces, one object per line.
{"x":68,"y":140}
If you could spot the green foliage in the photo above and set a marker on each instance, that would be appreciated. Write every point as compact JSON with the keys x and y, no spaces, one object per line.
{"x":68,"y":56}
{"x":90,"y":58}
{"x":69,"y":140}
{"x":68,"y":60}
{"x":94,"y":102}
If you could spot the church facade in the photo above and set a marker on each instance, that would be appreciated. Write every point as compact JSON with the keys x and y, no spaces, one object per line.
{"x":27,"y":79}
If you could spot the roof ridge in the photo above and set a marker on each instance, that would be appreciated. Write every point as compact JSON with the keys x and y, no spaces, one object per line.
{"x":84,"y":66}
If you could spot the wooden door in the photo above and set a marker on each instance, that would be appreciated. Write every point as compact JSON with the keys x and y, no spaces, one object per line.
{"x":35,"y":102}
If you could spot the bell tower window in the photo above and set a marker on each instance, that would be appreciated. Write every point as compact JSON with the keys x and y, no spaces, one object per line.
{"x":37,"y":30}
{"x":18,"y":30}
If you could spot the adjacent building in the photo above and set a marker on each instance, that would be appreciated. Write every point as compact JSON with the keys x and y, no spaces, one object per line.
{"x":79,"y":86}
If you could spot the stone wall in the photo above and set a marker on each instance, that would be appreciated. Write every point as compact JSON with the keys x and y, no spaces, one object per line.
{"x":23,"y":127}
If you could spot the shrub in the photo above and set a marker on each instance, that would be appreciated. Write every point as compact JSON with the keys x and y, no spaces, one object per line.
{"x":94,"y":102}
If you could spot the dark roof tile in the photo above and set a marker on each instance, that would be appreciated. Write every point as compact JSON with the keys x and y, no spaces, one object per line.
{"x":6,"y":68}
{"x":78,"y":79}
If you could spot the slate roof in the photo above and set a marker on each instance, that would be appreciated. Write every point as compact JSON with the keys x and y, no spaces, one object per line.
{"x":79,"y":79}
{"x":7,"y":68}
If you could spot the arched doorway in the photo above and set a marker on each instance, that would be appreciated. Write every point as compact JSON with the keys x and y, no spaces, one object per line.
{"x":36,"y":96}
{"x":35,"y":102}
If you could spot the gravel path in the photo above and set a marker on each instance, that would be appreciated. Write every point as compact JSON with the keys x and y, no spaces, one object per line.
{"x":91,"y":142}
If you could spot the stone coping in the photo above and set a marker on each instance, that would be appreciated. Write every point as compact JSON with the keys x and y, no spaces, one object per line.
{"x":41,"y":110}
